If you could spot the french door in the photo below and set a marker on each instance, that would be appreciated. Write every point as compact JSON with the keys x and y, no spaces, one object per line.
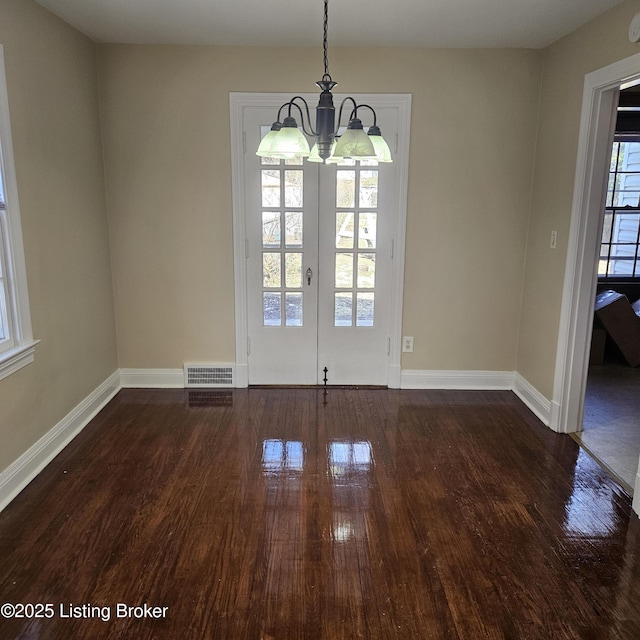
{"x":319,"y":256}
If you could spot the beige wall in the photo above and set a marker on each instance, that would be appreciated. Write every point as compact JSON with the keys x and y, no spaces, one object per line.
{"x":167,"y":155}
{"x":476,"y":211}
{"x":52,"y":86}
{"x":597,"y":44}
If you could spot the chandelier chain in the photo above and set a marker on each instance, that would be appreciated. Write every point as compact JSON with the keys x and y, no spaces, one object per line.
{"x":325,"y":38}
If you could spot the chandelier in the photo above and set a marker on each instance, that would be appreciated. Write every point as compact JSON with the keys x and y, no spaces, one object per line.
{"x":286,"y":140}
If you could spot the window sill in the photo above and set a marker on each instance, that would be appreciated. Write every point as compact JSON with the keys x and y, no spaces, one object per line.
{"x":16,"y":358}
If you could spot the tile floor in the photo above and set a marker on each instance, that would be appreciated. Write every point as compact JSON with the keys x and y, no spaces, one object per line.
{"x":612,"y":420}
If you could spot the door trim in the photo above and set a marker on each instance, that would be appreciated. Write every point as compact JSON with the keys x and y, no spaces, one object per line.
{"x":238,"y":102}
{"x":597,"y":123}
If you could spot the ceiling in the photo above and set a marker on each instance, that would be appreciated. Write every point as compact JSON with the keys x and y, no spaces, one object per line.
{"x":390,"y":23}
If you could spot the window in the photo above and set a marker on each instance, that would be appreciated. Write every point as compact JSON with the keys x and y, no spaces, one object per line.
{"x":5,"y":332}
{"x":16,"y":340}
{"x":619,"y":249}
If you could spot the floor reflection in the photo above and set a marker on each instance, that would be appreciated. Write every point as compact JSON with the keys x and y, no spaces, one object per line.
{"x":590,"y":514}
{"x":280,"y":456}
{"x":350,"y":466}
{"x":349,"y":460}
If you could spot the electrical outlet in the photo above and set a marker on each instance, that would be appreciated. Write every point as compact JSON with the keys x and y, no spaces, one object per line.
{"x":554,"y":239}
{"x":407,"y":344}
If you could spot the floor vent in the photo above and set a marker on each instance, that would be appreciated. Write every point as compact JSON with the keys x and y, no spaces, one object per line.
{"x":208,"y":375}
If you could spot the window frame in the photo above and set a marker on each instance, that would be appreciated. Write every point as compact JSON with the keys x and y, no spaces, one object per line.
{"x":615,"y":211}
{"x":19,"y":349}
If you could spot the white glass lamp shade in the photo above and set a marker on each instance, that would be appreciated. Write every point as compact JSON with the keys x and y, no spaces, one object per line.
{"x":314,"y":156}
{"x":289,"y":141}
{"x":332,"y":159}
{"x":383,"y":153}
{"x":354,"y":143}
{"x":264,"y":148}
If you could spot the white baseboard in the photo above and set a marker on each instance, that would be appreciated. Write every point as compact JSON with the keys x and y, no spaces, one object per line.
{"x":479,"y":380}
{"x":23,"y":470}
{"x":402,"y":379}
{"x":152,"y":378}
{"x":542,"y":407}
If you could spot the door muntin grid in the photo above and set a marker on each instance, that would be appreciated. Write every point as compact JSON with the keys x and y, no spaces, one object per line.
{"x":356,"y":245}
{"x":282,"y":200}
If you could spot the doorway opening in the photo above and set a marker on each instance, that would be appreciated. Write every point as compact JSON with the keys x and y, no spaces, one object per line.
{"x":612,"y":398}
{"x":597,"y":127}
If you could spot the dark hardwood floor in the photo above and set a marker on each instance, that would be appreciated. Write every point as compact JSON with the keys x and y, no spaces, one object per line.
{"x":272,"y":514}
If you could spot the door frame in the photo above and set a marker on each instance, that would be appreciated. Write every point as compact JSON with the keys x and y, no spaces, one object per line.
{"x":597,"y":123}
{"x":238,"y":102}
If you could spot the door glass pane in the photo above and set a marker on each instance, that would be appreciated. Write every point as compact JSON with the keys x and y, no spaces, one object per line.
{"x":344,"y":230}
{"x":368,"y":192}
{"x":366,"y":270}
{"x":343,"y":309}
{"x":270,"y":229}
{"x":270,"y":188}
{"x":346,"y":189}
{"x":344,"y":270}
{"x":367,"y":230}
{"x":293,"y":188}
{"x":293,"y":228}
{"x":293,"y":309}
{"x":364,"y":309}
{"x":293,"y":269}
{"x":295,"y":160}
{"x":271,"y":313}
{"x":271,"y":271}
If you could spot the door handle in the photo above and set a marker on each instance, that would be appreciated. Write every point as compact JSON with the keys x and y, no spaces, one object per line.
{"x":309,"y":275}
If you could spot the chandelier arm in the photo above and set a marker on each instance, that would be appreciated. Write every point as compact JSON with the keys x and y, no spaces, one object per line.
{"x":367,"y":106}
{"x":293,"y":103}
{"x":286,"y":104}
{"x":354,"y":112}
